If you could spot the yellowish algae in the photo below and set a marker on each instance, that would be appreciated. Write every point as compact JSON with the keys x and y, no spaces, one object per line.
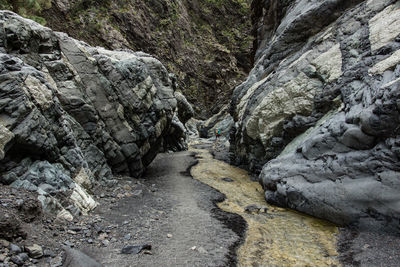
{"x":280,"y":237}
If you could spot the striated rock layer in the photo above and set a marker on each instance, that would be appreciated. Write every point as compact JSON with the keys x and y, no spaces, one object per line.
{"x":71,"y":115}
{"x":319,"y":113}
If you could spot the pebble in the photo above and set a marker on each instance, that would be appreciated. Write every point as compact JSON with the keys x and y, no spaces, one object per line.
{"x":69,"y":244}
{"x":56,"y":262}
{"x":35,"y":251}
{"x":169,"y":235}
{"x":229,"y":180}
{"x":3,"y":257}
{"x":103,"y":236}
{"x":24,"y":257}
{"x":15,"y":249}
{"x":202,"y":250}
{"x":48,"y":253}
{"x":17,"y":260}
{"x":127,"y":237}
{"x":90,"y":241}
{"x":4,"y":243}
{"x":193,"y":248}
{"x":105,"y":242}
{"x":135,"y":249}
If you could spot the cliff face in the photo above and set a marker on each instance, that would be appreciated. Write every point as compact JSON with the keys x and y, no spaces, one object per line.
{"x":71,"y":114}
{"x":319,"y":112}
{"x":205,"y":43}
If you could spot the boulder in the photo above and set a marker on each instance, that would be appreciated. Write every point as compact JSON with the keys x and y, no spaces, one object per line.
{"x":318,"y":115}
{"x":72,"y":115}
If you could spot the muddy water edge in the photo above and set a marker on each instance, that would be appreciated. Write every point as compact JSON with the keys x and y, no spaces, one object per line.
{"x":277,"y":237}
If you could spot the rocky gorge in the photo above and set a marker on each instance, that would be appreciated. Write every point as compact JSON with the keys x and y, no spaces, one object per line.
{"x":93,"y":140}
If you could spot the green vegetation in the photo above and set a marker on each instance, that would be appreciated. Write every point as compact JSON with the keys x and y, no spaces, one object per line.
{"x":27,"y":8}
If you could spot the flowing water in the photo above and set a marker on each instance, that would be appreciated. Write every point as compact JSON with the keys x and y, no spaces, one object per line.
{"x":279,"y":237}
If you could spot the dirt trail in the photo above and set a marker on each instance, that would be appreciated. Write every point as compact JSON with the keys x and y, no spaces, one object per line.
{"x":180,"y":220}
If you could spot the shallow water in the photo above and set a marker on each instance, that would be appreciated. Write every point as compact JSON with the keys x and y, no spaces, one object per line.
{"x":279,"y":237}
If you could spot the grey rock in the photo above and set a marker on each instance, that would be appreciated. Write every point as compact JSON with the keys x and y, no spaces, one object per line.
{"x":105,"y":242}
{"x":35,"y":251}
{"x":15,"y":249}
{"x":76,"y":258}
{"x":23,"y":256}
{"x":71,"y":113}
{"x":318,"y":116}
{"x":17,"y":260}
{"x":135,"y":249}
{"x":127,"y":237}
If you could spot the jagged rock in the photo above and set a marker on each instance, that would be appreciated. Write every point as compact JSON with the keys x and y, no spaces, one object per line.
{"x":71,"y":114}
{"x":323,"y":97}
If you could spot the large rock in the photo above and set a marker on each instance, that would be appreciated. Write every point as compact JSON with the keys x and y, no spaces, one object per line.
{"x":323,"y":95}
{"x":71,"y":115}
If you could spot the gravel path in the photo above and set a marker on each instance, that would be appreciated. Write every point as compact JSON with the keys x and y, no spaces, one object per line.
{"x":180,"y":220}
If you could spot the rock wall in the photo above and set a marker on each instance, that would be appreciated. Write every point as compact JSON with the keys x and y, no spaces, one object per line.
{"x":319,"y":112}
{"x":72,"y":115}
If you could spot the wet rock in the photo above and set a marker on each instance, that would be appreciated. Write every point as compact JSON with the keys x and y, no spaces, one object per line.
{"x":135,"y":249}
{"x":35,"y":251}
{"x":253,"y":208}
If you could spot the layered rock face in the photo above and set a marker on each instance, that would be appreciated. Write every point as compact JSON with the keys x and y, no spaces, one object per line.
{"x":319,"y":113}
{"x":71,"y":115}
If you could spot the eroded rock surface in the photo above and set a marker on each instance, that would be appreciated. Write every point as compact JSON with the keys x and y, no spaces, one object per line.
{"x":323,"y":95}
{"x":72,"y":115}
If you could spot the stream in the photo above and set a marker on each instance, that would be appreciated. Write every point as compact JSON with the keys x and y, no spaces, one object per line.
{"x":277,"y":237}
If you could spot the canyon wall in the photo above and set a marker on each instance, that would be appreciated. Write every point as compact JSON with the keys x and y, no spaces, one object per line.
{"x":318,"y":116}
{"x":72,"y":115}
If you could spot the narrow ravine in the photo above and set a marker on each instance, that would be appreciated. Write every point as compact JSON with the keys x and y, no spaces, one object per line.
{"x":277,"y":237}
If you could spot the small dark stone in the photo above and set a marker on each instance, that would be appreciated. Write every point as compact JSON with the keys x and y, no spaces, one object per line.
{"x":17,"y":260}
{"x":48,"y":253}
{"x":69,"y":244}
{"x":23,"y":256}
{"x":15,"y":249}
{"x":135,"y":249}
{"x":226,"y":179}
